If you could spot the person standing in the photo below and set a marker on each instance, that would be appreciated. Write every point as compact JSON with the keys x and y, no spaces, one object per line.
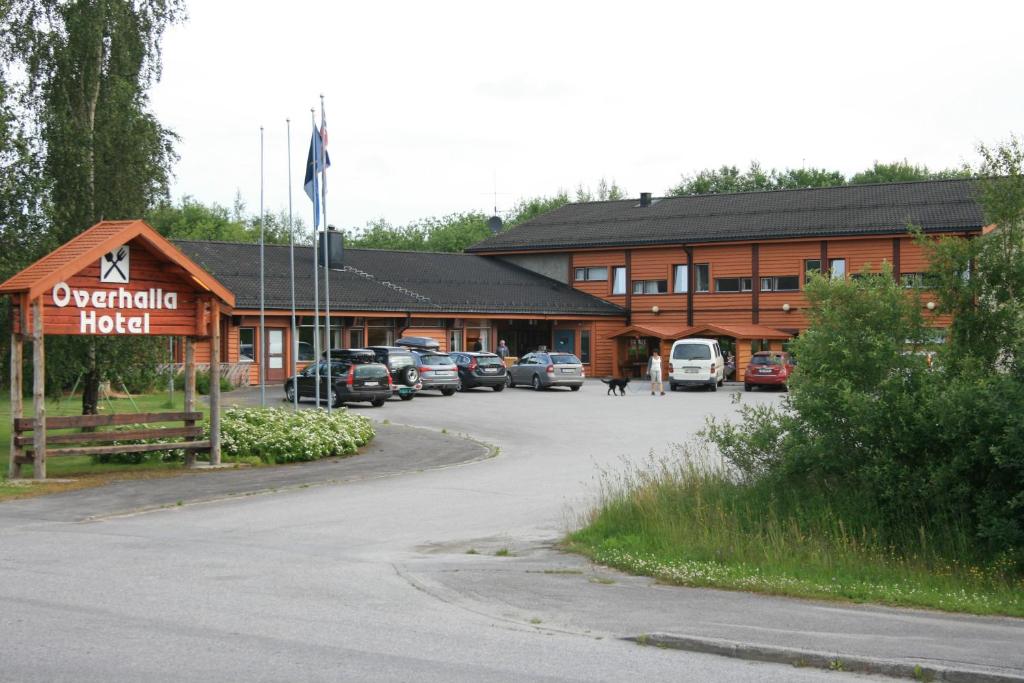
{"x":654,"y":372}
{"x":502,"y":350}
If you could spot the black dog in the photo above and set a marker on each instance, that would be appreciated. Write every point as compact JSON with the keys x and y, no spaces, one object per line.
{"x":614,"y":384}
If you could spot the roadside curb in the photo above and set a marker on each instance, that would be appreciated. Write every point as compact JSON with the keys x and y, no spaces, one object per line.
{"x":821,"y":660}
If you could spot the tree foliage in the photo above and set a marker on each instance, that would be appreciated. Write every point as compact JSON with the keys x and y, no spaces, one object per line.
{"x":87,"y":66}
{"x":896,"y":447}
{"x":728,"y":179}
{"x":190,"y":219}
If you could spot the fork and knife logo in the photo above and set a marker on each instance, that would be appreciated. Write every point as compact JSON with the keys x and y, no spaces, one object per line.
{"x":114,"y":265}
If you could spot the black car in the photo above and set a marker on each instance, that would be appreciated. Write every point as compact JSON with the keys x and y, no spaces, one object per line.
{"x":402,"y":365}
{"x":348,"y":382}
{"x":479,"y":369}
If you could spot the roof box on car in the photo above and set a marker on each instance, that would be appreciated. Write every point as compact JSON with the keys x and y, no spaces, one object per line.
{"x":418,"y":343}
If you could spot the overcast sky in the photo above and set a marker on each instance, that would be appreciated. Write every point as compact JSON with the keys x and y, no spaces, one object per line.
{"x":428,"y":102}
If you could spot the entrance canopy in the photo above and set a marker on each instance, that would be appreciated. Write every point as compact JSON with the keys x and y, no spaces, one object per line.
{"x":646,"y":331}
{"x":737,"y":331}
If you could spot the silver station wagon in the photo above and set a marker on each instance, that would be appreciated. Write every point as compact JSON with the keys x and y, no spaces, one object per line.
{"x":543,"y":369}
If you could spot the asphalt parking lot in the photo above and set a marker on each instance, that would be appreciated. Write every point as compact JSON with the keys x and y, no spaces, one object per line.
{"x":438,"y":573}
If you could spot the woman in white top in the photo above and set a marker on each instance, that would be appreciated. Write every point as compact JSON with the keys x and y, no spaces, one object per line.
{"x":654,"y":372}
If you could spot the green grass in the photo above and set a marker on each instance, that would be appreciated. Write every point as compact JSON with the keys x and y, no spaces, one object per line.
{"x":687,"y":526}
{"x":82,"y":467}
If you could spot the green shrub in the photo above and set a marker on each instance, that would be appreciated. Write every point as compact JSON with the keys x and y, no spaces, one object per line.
{"x":202,"y":383}
{"x":171,"y":455}
{"x":277,"y":435}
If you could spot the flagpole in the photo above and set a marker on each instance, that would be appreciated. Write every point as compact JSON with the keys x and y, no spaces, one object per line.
{"x":316,"y":278}
{"x":291,"y":256}
{"x":325,"y":250}
{"x":263,"y":331}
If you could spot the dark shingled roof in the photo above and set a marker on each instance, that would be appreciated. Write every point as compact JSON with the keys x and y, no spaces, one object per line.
{"x":936,"y":206}
{"x":399,"y":281}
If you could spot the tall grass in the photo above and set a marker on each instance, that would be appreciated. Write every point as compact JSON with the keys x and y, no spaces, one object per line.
{"x":695,"y":524}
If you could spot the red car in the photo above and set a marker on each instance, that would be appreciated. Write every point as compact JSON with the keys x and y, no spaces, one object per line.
{"x":768,"y":369}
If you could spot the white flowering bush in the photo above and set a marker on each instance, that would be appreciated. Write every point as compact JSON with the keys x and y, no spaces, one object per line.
{"x":277,"y":435}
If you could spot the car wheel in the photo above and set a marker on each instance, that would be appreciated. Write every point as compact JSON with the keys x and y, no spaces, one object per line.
{"x":721,"y":381}
{"x":289,"y":392}
{"x":461,"y":387}
{"x":536,"y":383}
{"x":509,"y":381}
{"x":448,"y":392}
{"x":408,"y":375}
{"x":714,"y":386}
{"x":378,"y":403}
{"x":747,"y":387}
{"x":785,"y":387}
{"x":499,"y":387}
{"x":406,"y":397}
{"x":335,"y":399}
{"x":575,"y":388}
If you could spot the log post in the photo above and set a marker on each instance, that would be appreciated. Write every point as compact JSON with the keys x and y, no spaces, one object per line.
{"x":215,"y":381}
{"x":190,"y":393}
{"x":38,"y":392}
{"x":17,"y":389}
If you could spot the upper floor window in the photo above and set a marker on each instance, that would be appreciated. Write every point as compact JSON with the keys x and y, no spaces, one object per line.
{"x":680,"y":279}
{"x":780,"y":283}
{"x":619,"y":280}
{"x":596,"y":273}
{"x":702,"y":277}
{"x":733,"y":284}
{"x":811,"y":266}
{"x":650,"y":286}
{"x":837,"y":266}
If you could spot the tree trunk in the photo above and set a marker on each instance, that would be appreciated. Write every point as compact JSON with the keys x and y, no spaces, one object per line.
{"x":91,"y":385}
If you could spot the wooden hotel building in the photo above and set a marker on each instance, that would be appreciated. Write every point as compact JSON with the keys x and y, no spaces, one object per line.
{"x":608,"y":281}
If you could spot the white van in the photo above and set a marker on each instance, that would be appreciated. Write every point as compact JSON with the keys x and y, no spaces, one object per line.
{"x":696,"y":362}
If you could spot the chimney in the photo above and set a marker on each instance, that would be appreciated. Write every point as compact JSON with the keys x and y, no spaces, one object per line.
{"x":645,"y":199}
{"x":494,"y":224}
{"x":335,"y":248}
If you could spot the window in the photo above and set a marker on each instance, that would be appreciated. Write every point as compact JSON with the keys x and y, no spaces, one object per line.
{"x":837,"y":266}
{"x":732,"y":284}
{"x":918,"y":281}
{"x":650,"y":286}
{"x":380,"y":332}
{"x":355,"y":338}
{"x":680,"y":279}
{"x":455,"y":340}
{"x":592,"y":274}
{"x":702,"y":277}
{"x":780,"y":283}
{"x":619,"y":280}
{"x":246,"y":344}
{"x":585,"y":346}
{"x":811,"y":266}
{"x":478,"y":335}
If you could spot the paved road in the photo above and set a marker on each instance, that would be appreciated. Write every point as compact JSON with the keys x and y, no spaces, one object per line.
{"x":371,"y":580}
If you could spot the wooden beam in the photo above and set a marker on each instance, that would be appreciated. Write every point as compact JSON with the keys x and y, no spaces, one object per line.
{"x":38,"y":392}
{"x":190,"y":391}
{"x":132,"y":448}
{"x":690,"y":280}
{"x":126,"y":435}
{"x":755,"y":284}
{"x":74,"y":421}
{"x":215,"y":381}
{"x":17,"y":388}
{"x":896,"y":274}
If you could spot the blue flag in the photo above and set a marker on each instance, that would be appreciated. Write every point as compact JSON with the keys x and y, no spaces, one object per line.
{"x":314,"y":168}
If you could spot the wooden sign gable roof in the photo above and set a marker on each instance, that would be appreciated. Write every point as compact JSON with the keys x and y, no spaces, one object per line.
{"x":89,"y":246}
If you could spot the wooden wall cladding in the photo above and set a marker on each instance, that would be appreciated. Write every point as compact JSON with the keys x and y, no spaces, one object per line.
{"x":860,"y":254}
{"x":725,"y":260}
{"x":603,"y":348}
{"x":147,"y":273}
{"x":786,"y":258}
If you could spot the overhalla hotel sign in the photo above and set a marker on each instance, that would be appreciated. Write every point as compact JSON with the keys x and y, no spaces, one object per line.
{"x":129,"y":310}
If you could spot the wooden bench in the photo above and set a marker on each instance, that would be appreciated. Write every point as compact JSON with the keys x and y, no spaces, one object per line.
{"x":190,"y":432}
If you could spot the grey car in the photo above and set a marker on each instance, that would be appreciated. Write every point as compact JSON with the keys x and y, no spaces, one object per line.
{"x":437,"y":371}
{"x":543,"y":369}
